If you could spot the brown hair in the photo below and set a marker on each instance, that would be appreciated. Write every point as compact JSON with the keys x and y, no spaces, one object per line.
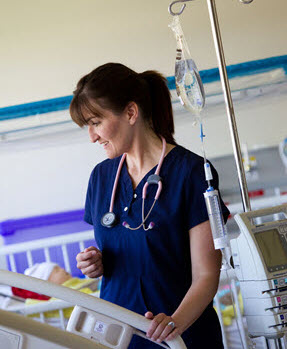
{"x":114,"y":85}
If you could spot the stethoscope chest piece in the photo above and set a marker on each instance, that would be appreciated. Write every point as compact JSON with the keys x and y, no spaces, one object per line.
{"x":108,"y":220}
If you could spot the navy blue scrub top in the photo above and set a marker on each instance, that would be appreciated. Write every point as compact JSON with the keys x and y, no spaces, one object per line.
{"x":151,"y":270}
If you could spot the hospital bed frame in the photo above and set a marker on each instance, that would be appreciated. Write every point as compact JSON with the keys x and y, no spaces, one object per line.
{"x":45,"y":244}
{"x":17,"y":332}
{"x":118,"y":324}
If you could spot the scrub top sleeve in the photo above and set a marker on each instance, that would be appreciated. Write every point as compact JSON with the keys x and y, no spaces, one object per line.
{"x":88,"y":213}
{"x":196,"y":185}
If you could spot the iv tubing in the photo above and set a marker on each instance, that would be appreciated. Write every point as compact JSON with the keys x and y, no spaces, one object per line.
{"x":202,"y":147}
{"x":229,"y":104}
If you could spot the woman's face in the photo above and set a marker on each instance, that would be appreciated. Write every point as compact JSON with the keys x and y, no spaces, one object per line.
{"x":110,"y":130}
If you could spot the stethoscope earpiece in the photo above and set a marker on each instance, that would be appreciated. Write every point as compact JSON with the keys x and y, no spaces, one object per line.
{"x":125,"y":224}
{"x":151,"y":225}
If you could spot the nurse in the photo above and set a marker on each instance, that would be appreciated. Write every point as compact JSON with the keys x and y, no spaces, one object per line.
{"x":154,"y":243}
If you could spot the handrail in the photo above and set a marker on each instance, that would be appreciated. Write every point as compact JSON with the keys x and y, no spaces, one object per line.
{"x":46,"y":332}
{"x":41,"y":307}
{"x":78,"y":298}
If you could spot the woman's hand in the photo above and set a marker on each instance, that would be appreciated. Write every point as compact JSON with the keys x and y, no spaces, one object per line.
{"x":90,"y":262}
{"x":162,"y":328}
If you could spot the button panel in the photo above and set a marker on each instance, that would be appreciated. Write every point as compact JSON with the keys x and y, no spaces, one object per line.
{"x":280,"y":282}
{"x":281,"y":320}
{"x":281,"y":304}
{"x":279,"y":286}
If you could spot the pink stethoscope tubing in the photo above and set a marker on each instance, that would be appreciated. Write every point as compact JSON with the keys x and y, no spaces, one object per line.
{"x":153,"y":179}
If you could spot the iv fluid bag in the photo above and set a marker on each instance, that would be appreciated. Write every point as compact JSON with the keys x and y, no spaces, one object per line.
{"x":189,"y":86}
{"x":188,"y":83}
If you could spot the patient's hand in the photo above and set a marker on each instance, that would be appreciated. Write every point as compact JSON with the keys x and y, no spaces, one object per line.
{"x":90,"y":262}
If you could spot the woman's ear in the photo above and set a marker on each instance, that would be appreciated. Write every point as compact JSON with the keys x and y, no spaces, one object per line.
{"x":132,"y":112}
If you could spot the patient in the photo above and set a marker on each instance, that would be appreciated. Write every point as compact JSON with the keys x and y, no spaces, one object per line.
{"x":54,"y":273}
{"x":48,"y":271}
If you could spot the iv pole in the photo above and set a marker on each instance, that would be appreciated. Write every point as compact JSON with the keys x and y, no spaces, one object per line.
{"x":231,"y":116}
{"x":227,"y":94}
{"x":228,"y":102}
{"x":229,"y":107}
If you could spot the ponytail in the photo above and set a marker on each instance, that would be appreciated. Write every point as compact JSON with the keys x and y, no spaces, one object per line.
{"x":161,"y":108}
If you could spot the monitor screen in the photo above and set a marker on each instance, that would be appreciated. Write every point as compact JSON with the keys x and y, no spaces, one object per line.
{"x":271,"y":247}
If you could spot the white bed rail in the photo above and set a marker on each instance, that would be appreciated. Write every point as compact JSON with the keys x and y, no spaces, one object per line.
{"x":86,"y":302}
{"x":60,"y":241}
{"x":41,"y":307}
{"x":19,"y":332}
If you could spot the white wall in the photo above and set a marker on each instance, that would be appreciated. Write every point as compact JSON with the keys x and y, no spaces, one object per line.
{"x":48,"y":45}
{"x":48,"y":176}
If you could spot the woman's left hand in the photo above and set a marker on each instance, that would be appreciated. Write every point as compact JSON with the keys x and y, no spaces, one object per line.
{"x":161,"y":328}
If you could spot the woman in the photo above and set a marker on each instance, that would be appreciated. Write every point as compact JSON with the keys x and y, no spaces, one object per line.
{"x":167,"y":267}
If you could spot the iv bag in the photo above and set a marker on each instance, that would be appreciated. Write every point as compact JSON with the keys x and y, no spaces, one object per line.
{"x":188,"y":83}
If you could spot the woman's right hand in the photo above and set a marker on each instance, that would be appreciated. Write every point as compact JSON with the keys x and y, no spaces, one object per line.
{"x":90,"y":262}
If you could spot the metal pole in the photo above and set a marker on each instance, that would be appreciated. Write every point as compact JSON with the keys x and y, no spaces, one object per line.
{"x":229,"y":104}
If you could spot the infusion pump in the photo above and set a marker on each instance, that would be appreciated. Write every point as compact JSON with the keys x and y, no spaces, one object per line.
{"x":260,"y":263}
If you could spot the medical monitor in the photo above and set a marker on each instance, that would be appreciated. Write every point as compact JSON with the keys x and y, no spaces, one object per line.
{"x":273,"y":247}
{"x":259,"y":255}
{"x":261,"y":247}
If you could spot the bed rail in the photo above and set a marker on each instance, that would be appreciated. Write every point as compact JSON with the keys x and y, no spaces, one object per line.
{"x":41,"y":250}
{"x":45,"y":244}
{"x":16,"y":330}
{"x":87,"y":302}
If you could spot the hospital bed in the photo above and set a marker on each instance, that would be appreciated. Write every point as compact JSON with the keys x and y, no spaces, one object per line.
{"x":84,"y":320}
{"x":25,"y":254}
{"x":29,"y":252}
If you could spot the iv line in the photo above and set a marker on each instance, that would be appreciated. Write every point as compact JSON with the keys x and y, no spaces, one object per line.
{"x":201,"y":135}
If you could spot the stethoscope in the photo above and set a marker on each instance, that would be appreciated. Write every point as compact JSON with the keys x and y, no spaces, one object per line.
{"x":109,"y":219}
